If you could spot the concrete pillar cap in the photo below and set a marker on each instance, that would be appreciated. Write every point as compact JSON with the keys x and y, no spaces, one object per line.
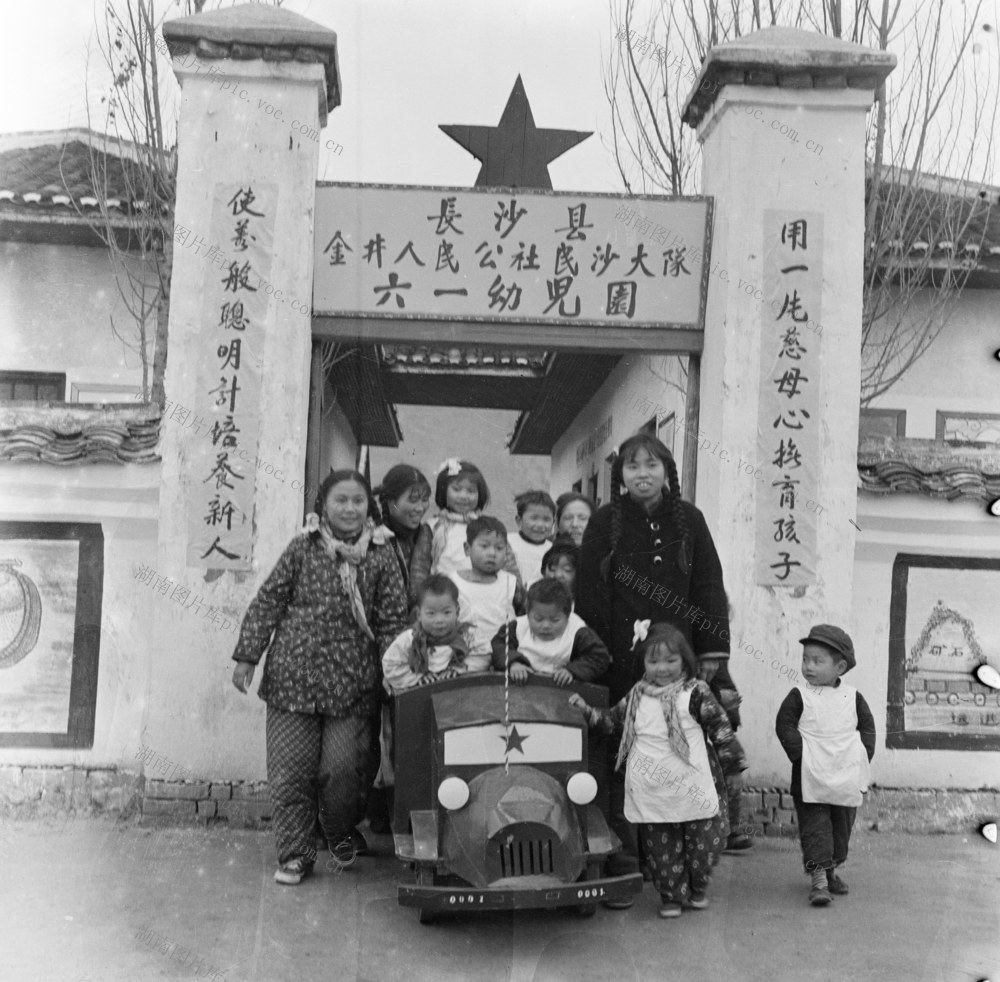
{"x":254,"y":31}
{"x":789,"y":58}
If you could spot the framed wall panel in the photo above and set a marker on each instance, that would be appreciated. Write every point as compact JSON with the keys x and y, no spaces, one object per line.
{"x":943,"y":625}
{"x":51,"y":593}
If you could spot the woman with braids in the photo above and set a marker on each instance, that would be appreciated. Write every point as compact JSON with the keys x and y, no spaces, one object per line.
{"x":648,"y":555}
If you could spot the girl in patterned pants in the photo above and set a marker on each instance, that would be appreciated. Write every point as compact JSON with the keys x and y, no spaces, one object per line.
{"x":672,"y":789}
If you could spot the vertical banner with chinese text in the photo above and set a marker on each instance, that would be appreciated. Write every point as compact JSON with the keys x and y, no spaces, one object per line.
{"x":788,"y":419}
{"x":222,"y":465}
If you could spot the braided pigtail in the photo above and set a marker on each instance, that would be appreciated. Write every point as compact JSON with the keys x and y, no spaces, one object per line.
{"x":679,"y":516}
{"x":616,"y":515}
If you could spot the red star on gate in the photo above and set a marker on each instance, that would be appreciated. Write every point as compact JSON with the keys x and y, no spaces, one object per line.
{"x":514,"y":153}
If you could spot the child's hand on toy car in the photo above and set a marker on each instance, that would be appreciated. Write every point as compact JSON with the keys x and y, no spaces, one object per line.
{"x":519,"y":673}
{"x":562,"y":676}
{"x":589,"y":713}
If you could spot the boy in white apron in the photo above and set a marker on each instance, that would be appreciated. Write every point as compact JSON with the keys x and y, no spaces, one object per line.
{"x":828,"y":732}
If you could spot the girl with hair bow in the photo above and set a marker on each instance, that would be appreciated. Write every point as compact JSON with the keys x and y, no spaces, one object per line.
{"x":680,"y":758}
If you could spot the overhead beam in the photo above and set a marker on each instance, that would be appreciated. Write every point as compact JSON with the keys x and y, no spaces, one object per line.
{"x":568,"y":337}
{"x":480,"y":392}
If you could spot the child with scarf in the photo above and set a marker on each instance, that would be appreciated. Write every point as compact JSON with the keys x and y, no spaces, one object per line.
{"x":436,"y":647}
{"x":461,"y":494}
{"x":326,"y":613}
{"x":676,"y":746}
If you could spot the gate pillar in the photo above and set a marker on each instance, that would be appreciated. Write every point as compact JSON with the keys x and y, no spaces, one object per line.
{"x":256,"y":85}
{"x":781,"y":116}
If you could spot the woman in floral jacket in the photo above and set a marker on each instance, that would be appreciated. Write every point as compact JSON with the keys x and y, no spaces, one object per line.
{"x":325,"y":615}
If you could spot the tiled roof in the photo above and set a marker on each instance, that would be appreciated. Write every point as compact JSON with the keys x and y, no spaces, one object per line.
{"x":79,"y":434}
{"x":888,"y":465}
{"x":51,"y":172}
{"x":456,"y":356}
{"x":933,"y":204}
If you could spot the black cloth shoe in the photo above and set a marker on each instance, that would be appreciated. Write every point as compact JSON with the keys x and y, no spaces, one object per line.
{"x":835,"y":884}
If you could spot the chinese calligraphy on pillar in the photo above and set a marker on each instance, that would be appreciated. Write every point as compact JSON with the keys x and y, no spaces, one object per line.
{"x":788,"y":444}
{"x":508,"y":255}
{"x":221,"y":471}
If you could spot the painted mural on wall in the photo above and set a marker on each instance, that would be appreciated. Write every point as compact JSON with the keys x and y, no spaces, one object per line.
{"x":20,"y":613}
{"x":49,"y":629}
{"x":943,"y":625}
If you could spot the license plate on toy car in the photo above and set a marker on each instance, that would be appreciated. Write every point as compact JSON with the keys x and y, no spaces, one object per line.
{"x":456,"y":898}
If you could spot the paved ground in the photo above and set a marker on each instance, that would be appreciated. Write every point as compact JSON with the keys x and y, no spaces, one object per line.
{"x":86,"y":901}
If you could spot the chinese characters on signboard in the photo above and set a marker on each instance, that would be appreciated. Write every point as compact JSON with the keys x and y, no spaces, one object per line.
{"x":789,"y":413}
{"x":221,"y":475}
{"x":506,"y":255}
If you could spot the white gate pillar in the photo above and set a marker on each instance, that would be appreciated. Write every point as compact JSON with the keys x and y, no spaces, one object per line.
{"x":256,"y":85}
{"x":781,"y":115}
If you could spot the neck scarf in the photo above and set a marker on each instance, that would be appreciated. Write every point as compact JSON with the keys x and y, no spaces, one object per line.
{"x":443,"y":527}
{"x":348,"y":557}
{"x":421,"y":645}
{"x":667,"y":694}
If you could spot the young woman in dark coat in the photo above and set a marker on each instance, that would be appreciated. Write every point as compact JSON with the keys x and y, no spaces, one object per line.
{"x":648,"y":555}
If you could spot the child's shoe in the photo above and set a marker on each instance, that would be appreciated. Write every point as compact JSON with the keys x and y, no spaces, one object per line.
{"x":698,"y":901}
{"x":738,"y":842}
{"x":293,"y":872}
{"x":835,"y":884}
{"x":669,"y":909}
{"x":819,"y":895}
{"x":344,"y":853}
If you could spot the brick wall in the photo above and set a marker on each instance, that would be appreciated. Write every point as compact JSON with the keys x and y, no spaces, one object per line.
{"x":36,"y":792}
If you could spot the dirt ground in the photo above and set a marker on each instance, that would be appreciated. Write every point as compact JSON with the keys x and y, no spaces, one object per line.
{"x":90,"y":901}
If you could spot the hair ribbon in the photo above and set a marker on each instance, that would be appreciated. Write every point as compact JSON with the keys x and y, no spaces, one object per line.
{"x":640,"y":630}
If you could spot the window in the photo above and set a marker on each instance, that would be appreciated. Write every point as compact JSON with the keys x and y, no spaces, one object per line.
{"x":665,"y":431}
{"x":968,"y":427}
{"x":101,"y":392}
{"x":32,"y":386}
{"x":592,"y":490}
{"x":882,"y":422}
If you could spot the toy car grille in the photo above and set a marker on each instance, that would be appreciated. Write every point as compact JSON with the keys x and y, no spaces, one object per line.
{"x":526,"y":857}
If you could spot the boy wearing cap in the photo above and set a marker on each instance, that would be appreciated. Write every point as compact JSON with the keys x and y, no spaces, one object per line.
{"x":828,"y":732}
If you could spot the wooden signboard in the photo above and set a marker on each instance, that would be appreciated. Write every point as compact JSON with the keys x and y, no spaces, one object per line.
{"x":511,"y":255}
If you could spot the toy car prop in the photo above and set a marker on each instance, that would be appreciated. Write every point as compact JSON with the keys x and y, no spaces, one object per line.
{"x":497,"y":800}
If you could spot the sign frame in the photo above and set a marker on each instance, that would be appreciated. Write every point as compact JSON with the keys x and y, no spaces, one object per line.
{"x":650,"y":333}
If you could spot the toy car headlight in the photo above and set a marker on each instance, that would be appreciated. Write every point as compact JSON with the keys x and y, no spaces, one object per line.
{"x":453,"y":793}
{"x":581,"y":788}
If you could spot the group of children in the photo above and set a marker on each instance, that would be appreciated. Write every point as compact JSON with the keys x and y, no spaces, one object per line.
{"x":499,"y":602}
{"x":494,"y":598}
